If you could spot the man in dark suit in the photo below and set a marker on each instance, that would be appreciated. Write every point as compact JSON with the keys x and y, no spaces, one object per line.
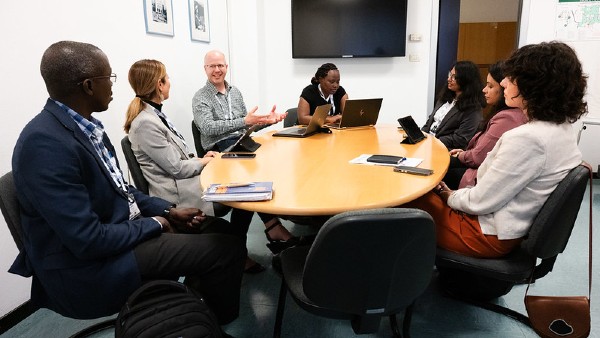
{"x":90,"y":239}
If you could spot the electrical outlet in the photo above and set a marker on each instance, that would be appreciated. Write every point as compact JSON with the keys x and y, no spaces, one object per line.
{"x":414,"y":37}
{"x":414,"y":58}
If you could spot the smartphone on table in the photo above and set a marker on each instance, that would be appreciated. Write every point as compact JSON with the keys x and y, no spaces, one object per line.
{"x":238,"y":155}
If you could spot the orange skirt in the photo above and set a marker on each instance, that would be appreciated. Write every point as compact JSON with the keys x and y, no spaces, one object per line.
{"x":460,"y":232}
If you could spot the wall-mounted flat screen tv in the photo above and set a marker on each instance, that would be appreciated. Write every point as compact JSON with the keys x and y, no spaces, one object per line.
{"x":348,"y":28}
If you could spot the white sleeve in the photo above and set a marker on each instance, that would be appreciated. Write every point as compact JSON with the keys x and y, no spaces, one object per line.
{"x":515,"y":161}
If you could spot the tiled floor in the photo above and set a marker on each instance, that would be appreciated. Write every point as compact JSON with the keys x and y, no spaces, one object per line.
{"x":434,"y":315}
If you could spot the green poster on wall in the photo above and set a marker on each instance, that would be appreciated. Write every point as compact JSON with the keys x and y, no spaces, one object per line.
{"x":577,"y":20}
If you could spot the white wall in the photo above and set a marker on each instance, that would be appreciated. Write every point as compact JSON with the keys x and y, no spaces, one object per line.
{"x":117,"y":27}
{"x":256,"y":34}
{"x":540,"y":27}
{"x":266,"y":73}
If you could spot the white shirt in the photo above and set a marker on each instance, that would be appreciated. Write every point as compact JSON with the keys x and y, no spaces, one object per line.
{"x":439,"y":116}
{"x":517,"y":176}
{"x":328,"y":99}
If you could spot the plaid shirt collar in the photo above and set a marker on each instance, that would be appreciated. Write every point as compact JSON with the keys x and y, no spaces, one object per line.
{"x":213,"y":89}
{"x":88,"y":127}
{"x":94,"y":130}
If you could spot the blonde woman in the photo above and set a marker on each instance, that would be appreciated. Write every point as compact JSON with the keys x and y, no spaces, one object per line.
{"x":167,"y":163}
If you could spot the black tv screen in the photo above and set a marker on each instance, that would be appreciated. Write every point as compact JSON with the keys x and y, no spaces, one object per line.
{"x":357,"y":28}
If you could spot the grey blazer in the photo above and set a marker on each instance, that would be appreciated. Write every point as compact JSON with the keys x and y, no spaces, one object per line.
{"x":171,"y":173}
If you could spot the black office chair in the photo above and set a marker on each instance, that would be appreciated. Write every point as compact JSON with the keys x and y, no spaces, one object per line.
{"x":9,"y":205}
{"x":291,"y":118}
{"x":478,"y":280}
{"x":363,"y":265}
{"x":140,"y":181}
{"x":134,"y":167}
{"x":200,"y":152}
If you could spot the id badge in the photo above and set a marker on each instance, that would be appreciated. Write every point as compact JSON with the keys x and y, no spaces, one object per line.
{"x":134,"y":211}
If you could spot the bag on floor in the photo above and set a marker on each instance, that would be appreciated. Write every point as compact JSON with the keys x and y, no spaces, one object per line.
{"x":165,"y":308}
{"x":553,"y":317}
{"x":563,"y":317}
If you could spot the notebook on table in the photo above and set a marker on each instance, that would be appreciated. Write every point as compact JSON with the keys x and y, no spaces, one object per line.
{"x":239,"y":192}
{"x":358,"y":113}
{"x":316,"y":123}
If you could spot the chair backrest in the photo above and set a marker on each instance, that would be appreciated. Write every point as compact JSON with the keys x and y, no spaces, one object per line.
{"x":372,"y":261}
{"x":291,"y":118}
{"x":134,"y":167}
{"x":9,"y":204}
{"x":200,"y":152}
{"x":552,"y":226}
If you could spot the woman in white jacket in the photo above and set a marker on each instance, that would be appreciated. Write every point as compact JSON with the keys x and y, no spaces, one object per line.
{"x":527,"y":163}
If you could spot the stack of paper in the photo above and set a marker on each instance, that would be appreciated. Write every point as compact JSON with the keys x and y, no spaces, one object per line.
{"x":239,"y":192}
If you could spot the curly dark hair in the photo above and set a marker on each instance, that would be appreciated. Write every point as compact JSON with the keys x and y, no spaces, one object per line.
{"x":467,"y":77}
{"x":322,"y":72}
{"x":550,"y":80}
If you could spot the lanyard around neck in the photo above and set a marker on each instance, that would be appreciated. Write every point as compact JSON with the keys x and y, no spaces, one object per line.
{"x":329,"y":99}
{"x":229,"y":112}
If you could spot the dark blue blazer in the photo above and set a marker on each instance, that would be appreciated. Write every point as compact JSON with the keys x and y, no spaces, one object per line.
{"x":78,"y":240}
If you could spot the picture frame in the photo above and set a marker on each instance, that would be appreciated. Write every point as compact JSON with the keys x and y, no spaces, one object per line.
{"x":199,"y":20}
{"x":158,"y":15}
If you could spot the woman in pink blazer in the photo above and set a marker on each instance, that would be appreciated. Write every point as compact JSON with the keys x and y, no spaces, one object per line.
{"x":462,"y":171}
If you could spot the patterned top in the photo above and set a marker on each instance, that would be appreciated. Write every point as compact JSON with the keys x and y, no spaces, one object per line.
{"x":171,"y":127}
{"x":218,"y":116}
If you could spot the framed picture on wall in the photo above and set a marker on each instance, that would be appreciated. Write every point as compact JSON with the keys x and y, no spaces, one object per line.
{"x":199,"y":23}
{"x":159,"y":16}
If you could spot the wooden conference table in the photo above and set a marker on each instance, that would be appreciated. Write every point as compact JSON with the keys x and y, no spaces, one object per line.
{"x":313,"y":176}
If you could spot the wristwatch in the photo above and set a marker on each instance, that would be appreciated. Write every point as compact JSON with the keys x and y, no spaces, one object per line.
{"x":167,"y":210}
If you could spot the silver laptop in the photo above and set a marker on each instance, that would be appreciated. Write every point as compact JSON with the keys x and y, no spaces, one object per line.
{"x":358,"y":113}
{"x":316,"y":123}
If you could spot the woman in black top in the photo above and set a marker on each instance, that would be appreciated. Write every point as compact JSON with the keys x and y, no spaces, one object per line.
{"x":458,"y":111}
{"x":324,"y":88}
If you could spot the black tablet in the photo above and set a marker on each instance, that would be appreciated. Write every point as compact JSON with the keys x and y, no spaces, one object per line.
{"x":413,"y":133}
{"x":245,"y":143}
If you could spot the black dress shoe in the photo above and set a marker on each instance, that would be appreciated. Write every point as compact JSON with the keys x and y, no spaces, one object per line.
{"x":277,"y":246}
{"x":254,"y":268}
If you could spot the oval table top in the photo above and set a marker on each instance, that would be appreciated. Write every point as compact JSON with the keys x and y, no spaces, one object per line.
{"x":313,"y":176}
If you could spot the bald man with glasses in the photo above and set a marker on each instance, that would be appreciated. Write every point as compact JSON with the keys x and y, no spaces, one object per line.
{"x":219,"y":109}
{"x":221,"y":116}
